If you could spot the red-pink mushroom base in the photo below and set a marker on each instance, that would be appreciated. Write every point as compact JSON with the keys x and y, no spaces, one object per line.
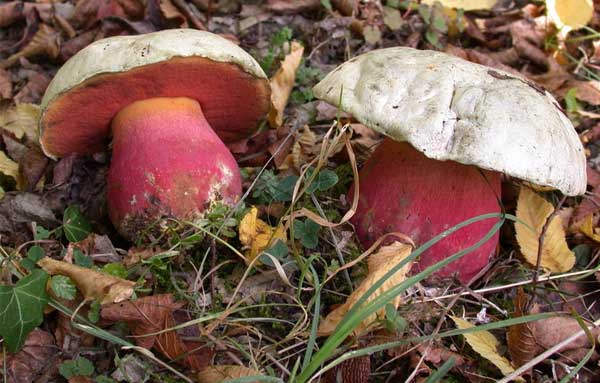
{"x":166,"y":162}
{"x":401,"y":190}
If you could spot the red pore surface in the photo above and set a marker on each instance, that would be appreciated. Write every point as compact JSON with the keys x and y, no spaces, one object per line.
{"x":401,"y":190}
{"x":166,"y":161}
{"x":232,"y":100}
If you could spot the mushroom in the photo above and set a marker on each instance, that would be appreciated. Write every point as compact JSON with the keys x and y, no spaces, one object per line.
{"x":169,"y":99}
{"x":452,"y":127}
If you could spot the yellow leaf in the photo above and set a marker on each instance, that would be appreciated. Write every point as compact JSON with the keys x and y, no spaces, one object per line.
{"x":8,"y":167}
{"x":92,"y":284}
{"x":379,"y":264}
{"x":467,"y":5}
{"x":256,"y":235}
{"x":570,"y":14}
{"x":485,"y":344}
{"x":21,"y":120}
{"x":217,"y":374}
{"x":587,"y":228}
{"x":282,"y":84}
{"x":533,"y":210}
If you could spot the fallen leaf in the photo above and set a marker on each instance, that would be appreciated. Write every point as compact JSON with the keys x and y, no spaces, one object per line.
{"x":34,"y":90}
{"x":292,"y":6}
{"x":151,"y":315}
{"x":570,"y":14}
{"x":21,"y":120}
{"x":588,"y":91}
{"x":379,"y":264}
{"x":587,"y":228}
{"x":36,"y":356}
{"x":282,"y":83}
{"x":485,"y":344}
{"x":256,"y":235}
{"x":171,"y":13}
{"x":533,"y":210}
{"x":217,"y":374}
{"x":519,"y":338}
{"x":551,"y":331}
{"x":5,"y":84}
{"x":467,"y":5}
{"x":44,"y":42}
{"x":392,"y":18}
{"x":303,"y":150}
{"x":9,"y":167}
{"x":32,"y":167}
{"x":92,"y":284}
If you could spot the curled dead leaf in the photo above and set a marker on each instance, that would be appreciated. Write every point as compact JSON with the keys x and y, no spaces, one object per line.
{"x":379,"y":264}
{"x":44,"y":42}
{"x":534,"y":210}
{"x":217,"y":374}
{"x":256,"y":235}
{"x":355,"y":370}
{"x":9,"y":167}
{"x":21,"y":120}
{"x":92,"y":284}
{"x":519,"y":338}
{"x":282,"y":83}
{"x":587,"y":228}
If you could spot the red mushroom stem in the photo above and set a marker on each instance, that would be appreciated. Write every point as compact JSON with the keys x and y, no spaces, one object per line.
{"x":166,"y":161}
{"x":402,"y":190}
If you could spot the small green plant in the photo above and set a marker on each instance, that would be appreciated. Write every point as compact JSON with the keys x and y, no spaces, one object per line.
{"x":436,"y":23}
{"x":76,"y":227}
{"x":76,"y":367}
{"x":34,"y":254}
{"x":307,"y":232}
{"x":276,"y":48}
{"x":63,"y":287}
{"x":269,"y":188}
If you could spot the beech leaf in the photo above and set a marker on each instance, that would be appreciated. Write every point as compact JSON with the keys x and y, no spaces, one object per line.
{"x":92,"y":284}
{"x":485,"y":344}
{"x":217,"y":374}
{"x":379,"y":264}
{"x":534,"y":210}
{"x":283,"y":82}
{"x":21,"y":120}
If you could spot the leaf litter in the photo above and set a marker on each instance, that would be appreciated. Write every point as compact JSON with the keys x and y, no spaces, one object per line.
{"x":257,"y":320}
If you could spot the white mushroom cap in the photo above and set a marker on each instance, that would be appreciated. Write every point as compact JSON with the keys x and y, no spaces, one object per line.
{"x":122,"y":53}
{"x":451,"y":109}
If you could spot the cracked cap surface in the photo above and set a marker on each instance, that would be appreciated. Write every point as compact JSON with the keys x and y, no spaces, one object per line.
{"x":452,"y":109}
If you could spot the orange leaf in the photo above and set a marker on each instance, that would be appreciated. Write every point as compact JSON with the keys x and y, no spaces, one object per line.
{"x":282,"y":83}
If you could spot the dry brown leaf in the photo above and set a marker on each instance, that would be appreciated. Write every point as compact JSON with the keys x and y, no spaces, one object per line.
{"x":534,"y":210}
{"x":588,"y":91}
{"x":282,"y":83}
{"x":44,"y":42}
{"x":256,"y":235}
{"x":151,"y":315}
{"x":303,"y":150}
{"x":519,"y":338}
{"x":355,"y":370}
{"x":92,"y":284}
{"x":217,"y":374}
{"x":171,"y":13}
{"x":5,"y":84}
{"x":485,"y":344}
{"x":292,"y":6}
{"x":379,"y":264}
{"x":32,"y":167}
{"x":21,"y":120}
{"x":34,"y":90}
{"x":36,"y":356}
